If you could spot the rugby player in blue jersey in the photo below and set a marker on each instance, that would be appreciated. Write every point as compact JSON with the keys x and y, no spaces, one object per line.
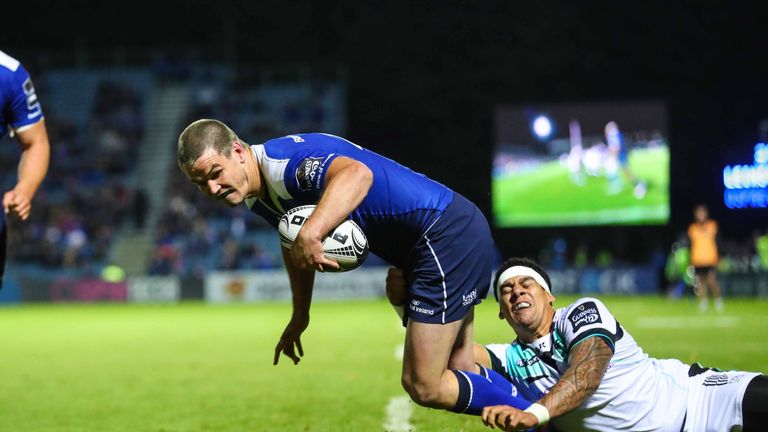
{"x":21,"y":114}
{"x":440,"y":240}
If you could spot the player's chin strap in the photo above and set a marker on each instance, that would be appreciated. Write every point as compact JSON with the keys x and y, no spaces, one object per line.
{"x":515,"y":271}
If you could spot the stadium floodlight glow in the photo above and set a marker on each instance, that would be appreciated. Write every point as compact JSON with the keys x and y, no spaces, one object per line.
{"x":542,"y":126}
{"x":747,"y":185}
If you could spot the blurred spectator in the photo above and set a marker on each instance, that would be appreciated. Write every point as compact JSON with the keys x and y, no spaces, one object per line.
{"x":704,"y":256}
{"x":84,"y":198}
{"x":604,"y":258}
{"x":165,"y":261}
{"x":204,"y":233}
{"x":761,"y":248}
{"x":677,"y":267}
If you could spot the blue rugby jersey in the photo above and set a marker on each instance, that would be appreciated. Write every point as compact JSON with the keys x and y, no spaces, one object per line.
{"x":18,"y":100}
{"x":401,"y":204}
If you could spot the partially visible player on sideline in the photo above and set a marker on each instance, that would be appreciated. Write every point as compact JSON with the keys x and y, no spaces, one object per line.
{"x":704,"y":256}
{"x":441,"y":240}
{"x":587,"y":373}
{"x":20,"y":112}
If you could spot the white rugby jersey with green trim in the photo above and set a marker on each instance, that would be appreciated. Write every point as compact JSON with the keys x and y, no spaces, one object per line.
{"x":637,"y":392}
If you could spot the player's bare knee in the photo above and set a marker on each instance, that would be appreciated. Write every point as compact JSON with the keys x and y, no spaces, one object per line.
{"x":462,"y":363}
{"x":422,"y":393}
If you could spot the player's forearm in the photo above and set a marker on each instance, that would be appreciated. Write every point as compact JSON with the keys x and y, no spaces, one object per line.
{"x":589,"y":361}
{"x":302,"y":282}
{"x":343,"y":192}
{"x":35,"y":156}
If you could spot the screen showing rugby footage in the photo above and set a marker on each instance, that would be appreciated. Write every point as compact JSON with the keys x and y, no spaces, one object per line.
{"x":581,"y":164}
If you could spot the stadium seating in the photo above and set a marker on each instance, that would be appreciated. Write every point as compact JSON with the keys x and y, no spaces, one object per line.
{"x":196,"y":234}
{"x":95,"y":120}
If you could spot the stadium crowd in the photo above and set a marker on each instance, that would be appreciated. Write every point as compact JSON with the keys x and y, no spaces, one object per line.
{"x":85,"y":196}
{"x":195,"y":234}
{"x":88,"y":193}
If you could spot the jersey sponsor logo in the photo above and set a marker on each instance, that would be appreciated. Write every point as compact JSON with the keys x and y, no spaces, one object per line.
{"x":524,"y":368}
{"x":584,"y":314}
{"x":717,"y":379}
{"x":33,"y":106}
{"x":722,"y":378}
{"x":422,"y":310}
{"x":525,"y":362}
{"x":296,"y":138}
{"x":308,"y":170}
{"x":469,"y":298}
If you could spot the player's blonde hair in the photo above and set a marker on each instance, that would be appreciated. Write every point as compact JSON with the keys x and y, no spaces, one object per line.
{"x":201,"y":135}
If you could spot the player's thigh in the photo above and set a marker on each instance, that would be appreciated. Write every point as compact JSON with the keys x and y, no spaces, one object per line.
{"x":462,"y":354}
{"x":428,"y":349}
{"x":755,"y":404}
{"x":715,"y":400}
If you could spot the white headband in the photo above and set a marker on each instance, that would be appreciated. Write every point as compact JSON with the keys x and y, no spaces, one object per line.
{"x":519,"y":271}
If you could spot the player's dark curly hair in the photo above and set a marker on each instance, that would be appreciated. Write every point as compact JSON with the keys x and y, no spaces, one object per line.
{"x":521,"y":261}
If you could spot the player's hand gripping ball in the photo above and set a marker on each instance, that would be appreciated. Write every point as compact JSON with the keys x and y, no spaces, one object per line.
{"x":346,"y":244}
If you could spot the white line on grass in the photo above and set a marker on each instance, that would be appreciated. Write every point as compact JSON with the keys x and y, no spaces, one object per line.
{"x":399,"y":411}
{"x":399,"y":408}
{"x":399,"y":352}
{"x":687,"y":322}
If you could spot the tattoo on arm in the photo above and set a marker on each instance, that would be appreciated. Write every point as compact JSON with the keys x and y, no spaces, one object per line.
{"x":589,"y":360}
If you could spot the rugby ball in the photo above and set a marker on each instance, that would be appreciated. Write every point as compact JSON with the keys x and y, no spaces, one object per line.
{"x":346,"y":244}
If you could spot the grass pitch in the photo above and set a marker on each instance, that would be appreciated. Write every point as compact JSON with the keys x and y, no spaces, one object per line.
{"x":196,"y":367}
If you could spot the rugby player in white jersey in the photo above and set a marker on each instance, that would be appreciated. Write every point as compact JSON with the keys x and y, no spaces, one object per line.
{"x":587,"y":373}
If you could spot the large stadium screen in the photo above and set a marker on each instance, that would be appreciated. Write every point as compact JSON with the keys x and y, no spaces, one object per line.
{"x":581,"y":164}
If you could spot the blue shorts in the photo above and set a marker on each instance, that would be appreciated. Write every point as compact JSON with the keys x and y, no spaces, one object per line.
{"x":449,"y":270}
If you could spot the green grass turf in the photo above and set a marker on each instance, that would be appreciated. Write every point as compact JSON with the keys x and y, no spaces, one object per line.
{"x":547,"y":196}
{"x":196,"y":367}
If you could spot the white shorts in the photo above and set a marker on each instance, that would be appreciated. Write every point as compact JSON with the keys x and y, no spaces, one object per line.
{"x":714,"y":401}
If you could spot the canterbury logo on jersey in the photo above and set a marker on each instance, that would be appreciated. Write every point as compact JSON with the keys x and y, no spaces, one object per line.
{"x":307,"y":171}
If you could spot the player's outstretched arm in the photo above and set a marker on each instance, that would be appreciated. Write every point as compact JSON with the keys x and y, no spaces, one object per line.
{"x":347,"y":183}
{"x":588,"y":362}
{"x":301,"y":282}
{"x":33,"y":165}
